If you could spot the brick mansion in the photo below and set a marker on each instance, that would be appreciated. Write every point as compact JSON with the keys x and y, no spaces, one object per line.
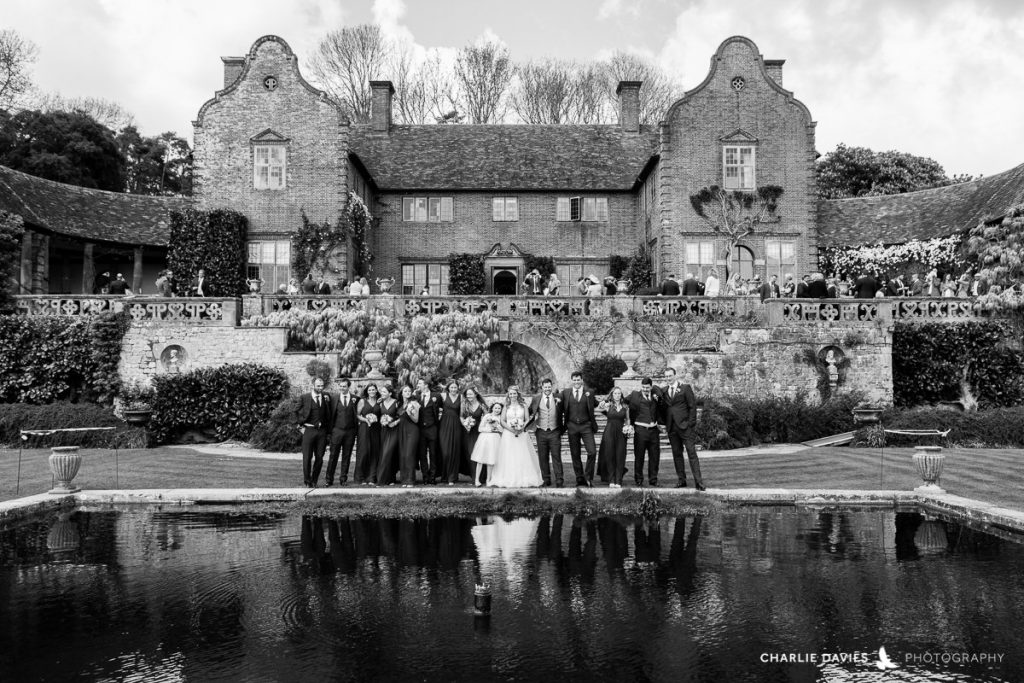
{"x":271,"y":146}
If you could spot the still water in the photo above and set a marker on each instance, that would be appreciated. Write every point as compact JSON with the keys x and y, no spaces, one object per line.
{"x":144,"y":594}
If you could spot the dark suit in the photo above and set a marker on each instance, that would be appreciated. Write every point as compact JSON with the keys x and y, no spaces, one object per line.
{"x":680,"y":416}
{"x":646,"y":438}
{"x":317,"y":421}
{"x":765,"y":291}
{"x":691,"y":287}
{"x":802,"y":290}
{"x":429,"y":449}
{"x":916,"y":288}
{"x":818,"y":289}
{"x":895,"y":287}
{"x":865,"y":287}
{"x":669,"y":287}
{"x":343,"y":438}
{"x":580,"y":420}
{"x":549,"y":439}
{"x":323,"y":288}
{"x":201,"y":284}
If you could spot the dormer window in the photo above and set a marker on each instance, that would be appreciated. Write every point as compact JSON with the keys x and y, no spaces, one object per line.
{"x":739,"y":164}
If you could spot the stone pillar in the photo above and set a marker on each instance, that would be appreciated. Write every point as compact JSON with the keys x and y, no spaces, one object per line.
{"x":137,"y":271}
{"x":26,"y":263}
{"x":88,"y":268}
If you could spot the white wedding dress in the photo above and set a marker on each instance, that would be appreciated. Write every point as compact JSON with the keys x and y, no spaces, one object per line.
{"x":517,"y":465}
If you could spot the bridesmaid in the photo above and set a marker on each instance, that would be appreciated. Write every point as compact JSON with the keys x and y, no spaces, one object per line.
{"x":450,"y":434}
{"x":408,"y":436}
{"x":368,"y":442}
{"x":388,"y":409}
{"x":473,"y":410}
{"x":613,"y":440}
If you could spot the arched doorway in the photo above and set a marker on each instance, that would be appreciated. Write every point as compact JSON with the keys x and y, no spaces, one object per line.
{"x":745,"y":262}
{"x":505,"y":281}
{"x":514,"y":363}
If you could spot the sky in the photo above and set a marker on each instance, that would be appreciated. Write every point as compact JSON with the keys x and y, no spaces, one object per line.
{"x":936,"y":78}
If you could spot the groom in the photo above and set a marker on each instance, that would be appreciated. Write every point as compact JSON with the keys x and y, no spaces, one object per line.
{"x":546,"y":415}
{"x":579,"y":415}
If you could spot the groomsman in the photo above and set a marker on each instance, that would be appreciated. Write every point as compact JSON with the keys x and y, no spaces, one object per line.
{"x":680,"y":416}
{"x":546,"y":413}
{"x":579,"y":415}
{"x":314,"y":417}
{"x":343,"y":435}
{"x":644,"y":408}
{"x":429,"y":418}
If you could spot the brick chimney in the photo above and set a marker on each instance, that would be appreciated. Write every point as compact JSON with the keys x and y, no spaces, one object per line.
{"x":629,"y":105}
{"x":232,"y":69}
{"x":774,"y":69}
{"x":380,"y":105}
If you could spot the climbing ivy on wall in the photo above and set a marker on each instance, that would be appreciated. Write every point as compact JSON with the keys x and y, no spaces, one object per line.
{"x":466,"y":274}
{"x":212,"y":240}
{"x":11,"y":230}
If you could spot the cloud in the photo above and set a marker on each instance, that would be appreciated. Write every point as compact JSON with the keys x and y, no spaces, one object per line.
{"x":616,"y":8}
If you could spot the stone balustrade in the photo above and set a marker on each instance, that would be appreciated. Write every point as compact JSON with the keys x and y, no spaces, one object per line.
{"x":204,"y":310}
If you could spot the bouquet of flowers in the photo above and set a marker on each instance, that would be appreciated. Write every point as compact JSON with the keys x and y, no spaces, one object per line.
{"x":468,"y":422}
{"x":517,"y":426}
{"x":370,"y":418}
{"x":628,"y":429}
{"x":386,"y":420}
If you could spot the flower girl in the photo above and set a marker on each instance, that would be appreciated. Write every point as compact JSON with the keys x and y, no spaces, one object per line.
{"x":486,"y":450}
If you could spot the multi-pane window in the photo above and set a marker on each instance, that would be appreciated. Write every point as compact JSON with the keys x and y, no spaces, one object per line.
{"x":428,"y":209}
{"x":269,"y":167}
{"x":505,"y":208}
{"x":739,"y":165}
{"x":582,"y":209}
{"x":780,"y":258}
{"x":417,"y":275}
{"x":269,"y":261}
{"x":700,"y":258}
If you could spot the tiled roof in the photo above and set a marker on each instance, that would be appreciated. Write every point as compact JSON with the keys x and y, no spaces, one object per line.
{"x":893,"y":219}
{"x":488,"y":157}
{"x":88,"y":214}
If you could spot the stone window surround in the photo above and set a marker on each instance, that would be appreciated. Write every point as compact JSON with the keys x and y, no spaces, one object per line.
{"x":737,"y":183}
{"x":258,"y":182}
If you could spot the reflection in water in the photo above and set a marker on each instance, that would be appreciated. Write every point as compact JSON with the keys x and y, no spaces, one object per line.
{"x":149,"y":595}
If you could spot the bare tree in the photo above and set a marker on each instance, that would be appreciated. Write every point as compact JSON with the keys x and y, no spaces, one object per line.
{"x":16,"y":55}
{"x":657,"y":93}
{"x":552,"y":91}
{"x":424,"y":89}
{"x":484,"y":73}
{"x":106,"y":112}
{"x":345,"y":62}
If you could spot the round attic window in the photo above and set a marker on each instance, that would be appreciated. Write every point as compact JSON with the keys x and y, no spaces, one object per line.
{"x":738,"y":83}
{"x":270,"y":82}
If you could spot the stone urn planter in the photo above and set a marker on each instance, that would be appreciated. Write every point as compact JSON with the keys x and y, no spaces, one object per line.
{"x":630,"y":357}
{"x":867,"y":415}
{"x":64,"y":464}
{"x":928,"y":461}
{"x":385,"y":284}
{"x":137,"y":416}
{"x":373,"y":357}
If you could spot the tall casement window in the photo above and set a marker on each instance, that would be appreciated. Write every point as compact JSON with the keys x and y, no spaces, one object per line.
{"x":589,"y":209}
{"x":417,"y":275}
{"x":505,"y":208}
{"x":780,"y":257}
{"x":739,"y":163}
{"x":270,"y":166}
{"x":428,"y":209}
{"x":700,"y":258}
{"x":270,"y":261}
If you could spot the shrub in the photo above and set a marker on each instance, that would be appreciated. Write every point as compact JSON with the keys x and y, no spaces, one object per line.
{"x":995,"y":428}
{"x":63,"y":415}
{"x":466,"y":274}
{"x":278,"y":433}
{"x":212,"y":240}
{"x":319,"y":369}
{"x":599,"y":373}
{"x":229,"y":400}
{"x":739,"y":422}
{"x":11,"y":230}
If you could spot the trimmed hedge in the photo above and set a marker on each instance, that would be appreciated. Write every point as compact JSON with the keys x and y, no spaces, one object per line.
{"x":214,"y":241}
{"x":995,"y":428}
{"x":599,"y":373}
{"x":229,"y":401}
{"x":466,"y":274}
{"x":741,"y":422}
{"x":278,"y":433}
{"x":63,"y":415}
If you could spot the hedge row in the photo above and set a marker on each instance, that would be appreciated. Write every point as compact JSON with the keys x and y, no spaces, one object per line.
{"x":994,"y":428}
{"x":741,"y":422}
{"x":15,"y":417}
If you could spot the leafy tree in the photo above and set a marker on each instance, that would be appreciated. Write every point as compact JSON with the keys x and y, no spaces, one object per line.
{"x":484,"y":73}
{"x":861,"y":172}
{"x":639,"y":269}
{"x":69,"y":147}
{"x":16,"y":55}
{"x":11,"y":230}
{"x":998,"y":249}
{"x":735,"y":214}
{"x":159,"y":165}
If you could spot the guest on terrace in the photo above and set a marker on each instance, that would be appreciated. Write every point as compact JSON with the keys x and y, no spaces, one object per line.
{"x":308,"y":285}
{"x":670,"y":287}
{"x":356,"y":288}
{"x":532,"y":282}
{"x":690,"y":286}
{"x":866,"y":286}
{"x":322,"y":288}
{"x":789,"y":286}
{"x":713,"y":285}
{"x":200,"y":285}
{"x":120,"y":286}
{"x":553,"y":285}
{"x":817,"y":289}
{"x":165,"y":283}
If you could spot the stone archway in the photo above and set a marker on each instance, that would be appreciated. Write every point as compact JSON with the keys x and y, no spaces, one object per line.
{"x":505,"y":281}
{"x":515,"y":363}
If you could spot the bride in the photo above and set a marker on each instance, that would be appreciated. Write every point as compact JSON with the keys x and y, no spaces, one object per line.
{"x":517,"y":465}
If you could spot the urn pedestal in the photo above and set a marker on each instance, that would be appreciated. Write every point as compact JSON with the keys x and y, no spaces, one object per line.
{"x":373,"y":357}
{"x":64,"y":464}
{"x":928,"y":461}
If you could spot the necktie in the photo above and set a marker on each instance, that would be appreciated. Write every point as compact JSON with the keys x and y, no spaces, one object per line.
{"x":318,"y":400}
{"x":344,"y":400}
{"x":547,"y":402}
{"x":576,"y":394}
{"x":671,"y":391}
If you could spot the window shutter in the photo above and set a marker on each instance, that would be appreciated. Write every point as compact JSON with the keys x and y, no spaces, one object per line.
{"x":602,"y":209}
{"x":498,"y":208}
{"x":447,"y":209}
{"x":511,"y":208}
{"x":562,"y":209}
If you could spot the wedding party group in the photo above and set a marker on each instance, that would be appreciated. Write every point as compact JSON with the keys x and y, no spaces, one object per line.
{"x":397,"y":432}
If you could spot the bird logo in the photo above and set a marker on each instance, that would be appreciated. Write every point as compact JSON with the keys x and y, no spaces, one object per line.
{"x":884,"y":662}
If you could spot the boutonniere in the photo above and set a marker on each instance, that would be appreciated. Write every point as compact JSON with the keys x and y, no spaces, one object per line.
{"x":587,"y":394}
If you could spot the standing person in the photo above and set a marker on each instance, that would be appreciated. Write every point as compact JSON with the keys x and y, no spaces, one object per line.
{"x":364,"y":287}
{"x":948,"y":287}
{"x":789,"y":286}
{"x":408,"y":436}
{"x":594,"y":288}
{"x":533,"y":282}
{"x":101,"y":285}
{"x":119,"y":286}
{"x":546,"y":415}
{"x":803,"y":287}
{"x":165,"y":284}
{"x":613,"y":440}
{"x":582,"y":285}
{"x":643,"y":412}
{"x":314,"y":418}
{"x":713,"y":286}
{"x":368,"y":441}
{"x":343,"y":434}
{"x":322,"y":288}
{"x":450,"y":434}
{"x":916,"y":286}
{"x":473,"y":410}
{"x":690,"y":286}
{"x":308,"y":285}
{"x":763,"y":290}
{"x":817,"y":289}
{"x":293,"y":286}
{"x":610,"y":287}
{"x":579,"y":416}
{"x":387,"y":466}
{"x":200,"y":285}
{"x":355,"y":289}
{"x":517,"y":463}
{"x":669,"y":286}
{"x":485,"y":451}
{"x":553,"y":284}
{"x":679,"y":413}
{"x":429,"y":416}
{"x":865,"y":287}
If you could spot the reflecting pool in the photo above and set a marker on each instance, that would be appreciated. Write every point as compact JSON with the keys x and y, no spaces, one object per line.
{"x":765,"y":594}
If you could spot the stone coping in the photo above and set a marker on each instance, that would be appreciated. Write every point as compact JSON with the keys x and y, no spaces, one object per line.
{"x":951,"y":507}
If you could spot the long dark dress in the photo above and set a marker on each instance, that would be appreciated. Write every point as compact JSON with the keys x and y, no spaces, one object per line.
{"x":368,"y":443}
{"x":613,"y":443}
{"x":388,"y":464}
{"x":450,"y":439}
{"x":469,"y":438}
{"x":408,"y":444}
